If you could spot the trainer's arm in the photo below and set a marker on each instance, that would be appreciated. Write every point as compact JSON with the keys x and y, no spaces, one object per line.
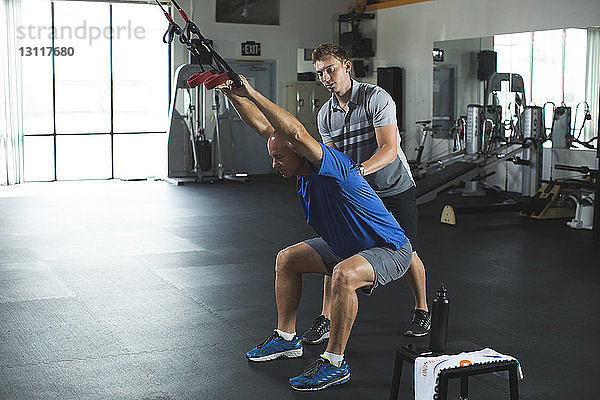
{"x":251,"y":115}
{"x":386,"y":137}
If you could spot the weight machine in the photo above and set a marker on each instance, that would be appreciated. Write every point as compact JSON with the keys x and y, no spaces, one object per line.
{"x":539,"y":199}
{"x":564,"y":133}
{"x":190,"y":153}
{"x":487,"y":143}
{"x":482,"y":139}
{"x":479,"y":142}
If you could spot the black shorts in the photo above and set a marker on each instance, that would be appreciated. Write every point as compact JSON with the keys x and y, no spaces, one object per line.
{"x":403,"y":207}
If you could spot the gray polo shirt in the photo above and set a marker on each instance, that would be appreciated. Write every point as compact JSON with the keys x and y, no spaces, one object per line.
{"x":353,"y":133}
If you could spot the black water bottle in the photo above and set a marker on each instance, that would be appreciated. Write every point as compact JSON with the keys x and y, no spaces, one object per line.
{"x":439,"y":322}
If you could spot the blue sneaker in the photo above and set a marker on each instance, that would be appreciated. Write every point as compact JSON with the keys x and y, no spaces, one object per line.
{"x":320,"y":375}
{"x":274,"y":347}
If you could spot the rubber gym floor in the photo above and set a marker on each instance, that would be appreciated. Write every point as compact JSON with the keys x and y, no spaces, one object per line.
{"x":143,"y":290}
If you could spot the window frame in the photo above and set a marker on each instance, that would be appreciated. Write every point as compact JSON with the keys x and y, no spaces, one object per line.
{"x":112,"y":132}
{"x":563,"y":63}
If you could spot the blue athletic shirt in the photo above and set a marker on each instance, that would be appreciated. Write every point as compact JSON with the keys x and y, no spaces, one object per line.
{"x":344,"y":210}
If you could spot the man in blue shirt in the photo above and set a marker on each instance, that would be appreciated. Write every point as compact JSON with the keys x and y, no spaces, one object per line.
{"x":361,"y":244}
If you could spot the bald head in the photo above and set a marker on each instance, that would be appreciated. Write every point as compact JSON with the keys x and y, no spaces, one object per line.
{"x":277,"y":141}
{"x":286,"y":158}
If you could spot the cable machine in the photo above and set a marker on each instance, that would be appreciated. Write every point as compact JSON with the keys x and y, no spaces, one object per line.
{"x":190,"y":153}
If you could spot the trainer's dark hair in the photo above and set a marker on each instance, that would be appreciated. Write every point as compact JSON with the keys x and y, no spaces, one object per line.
{"x":329,"y":49}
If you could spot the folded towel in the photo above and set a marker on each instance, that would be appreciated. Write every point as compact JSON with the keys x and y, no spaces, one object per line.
{"x":427,"y":369}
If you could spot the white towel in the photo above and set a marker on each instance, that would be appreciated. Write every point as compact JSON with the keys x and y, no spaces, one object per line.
{"x":427,"y":369}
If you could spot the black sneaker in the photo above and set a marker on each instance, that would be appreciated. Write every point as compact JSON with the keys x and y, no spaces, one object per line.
{"x":420,"y":323}
{"x":318,"y":332}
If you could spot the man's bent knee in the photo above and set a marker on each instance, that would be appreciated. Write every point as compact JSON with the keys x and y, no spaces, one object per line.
{"x":285,"y":260}
{"x":342,"y":277}
{"x":298,"y":258}
{"x":348,"y":277}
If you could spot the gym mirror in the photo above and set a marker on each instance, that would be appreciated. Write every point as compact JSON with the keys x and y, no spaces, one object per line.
{"x":560,"y":66}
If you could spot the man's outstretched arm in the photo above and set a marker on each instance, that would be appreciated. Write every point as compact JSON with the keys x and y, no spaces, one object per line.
{"x":283,"y":123}
{"x":250,"y":114}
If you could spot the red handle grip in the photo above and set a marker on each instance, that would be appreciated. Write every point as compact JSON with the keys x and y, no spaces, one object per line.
{"x":216,"y":80}
{"x":199,"y":78}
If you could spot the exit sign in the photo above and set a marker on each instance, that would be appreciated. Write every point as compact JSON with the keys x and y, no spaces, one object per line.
{"x":250,"y":48}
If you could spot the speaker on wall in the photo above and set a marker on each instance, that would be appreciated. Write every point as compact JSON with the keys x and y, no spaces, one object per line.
{"x":390,"y":79}
{"x":488,"y":61}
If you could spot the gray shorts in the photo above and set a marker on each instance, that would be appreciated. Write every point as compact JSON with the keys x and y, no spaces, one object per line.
{"x":387,"y":264}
